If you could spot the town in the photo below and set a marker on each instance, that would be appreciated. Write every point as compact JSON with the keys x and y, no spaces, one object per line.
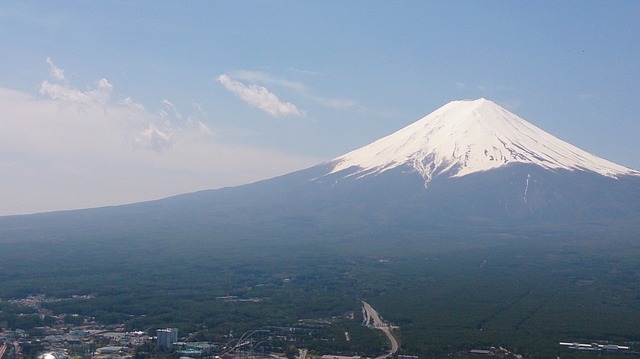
{"x":65,"y":336}
{"x":70,"y":336}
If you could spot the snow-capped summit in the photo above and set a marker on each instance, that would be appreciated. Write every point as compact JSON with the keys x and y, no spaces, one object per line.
{"x":511,"y":180}
{"x":464,"y":137}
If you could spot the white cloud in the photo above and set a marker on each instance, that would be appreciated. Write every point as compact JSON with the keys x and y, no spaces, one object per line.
{"x":99,"y":96}
{"x":154,"y":138}
{"x":198,"y":107}
{"x":172,"y":107}
{"x":260,"y":97}
{"x":126,"y":116}
{"x":299,"y":88}
{"x":265,"y":78}
{"x":56,"y":72}
{"x":131,"y":104}
{"x":65,"y":148}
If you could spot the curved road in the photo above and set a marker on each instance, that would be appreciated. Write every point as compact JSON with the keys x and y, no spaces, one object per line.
{"x":372,"y":318}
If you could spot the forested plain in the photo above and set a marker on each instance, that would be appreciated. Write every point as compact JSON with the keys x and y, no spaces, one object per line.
{"x":447,"y":292}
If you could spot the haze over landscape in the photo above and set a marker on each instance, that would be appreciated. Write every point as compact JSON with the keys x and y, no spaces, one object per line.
{"x":331,"y":180}
{"x":118,"y":102}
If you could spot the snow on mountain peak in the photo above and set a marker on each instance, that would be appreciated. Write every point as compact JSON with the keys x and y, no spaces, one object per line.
{"x":464,"y":137}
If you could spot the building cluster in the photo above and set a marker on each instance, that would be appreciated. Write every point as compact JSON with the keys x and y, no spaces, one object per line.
{"x":498,"y":352}
{"x":594,"y":346}
{"x":96,"y":342}
{"x":90,"y":341}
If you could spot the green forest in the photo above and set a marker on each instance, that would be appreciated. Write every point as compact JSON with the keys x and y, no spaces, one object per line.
{"x":446,"y":295}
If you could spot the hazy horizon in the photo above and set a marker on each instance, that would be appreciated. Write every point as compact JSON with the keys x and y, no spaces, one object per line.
{"x":120,"y":102}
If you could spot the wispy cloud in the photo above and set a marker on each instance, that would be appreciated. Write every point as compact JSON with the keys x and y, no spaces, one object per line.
{"x":56,"y":72}
{"x":173,"y":108}
{"x":100,"y":95}
{"x":154,"y":138}
{"x":72,"y":146}
{"x":260,"y":97}
{"x":299,"y":88}
{"x":265,"y":78}
{"x":146,"y":130}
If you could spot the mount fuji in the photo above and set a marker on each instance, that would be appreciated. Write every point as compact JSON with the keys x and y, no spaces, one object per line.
{"x":465,"y":137}
{"x":469,"y":219}
{"x":469,"y":166}
{"x":474,"y":162}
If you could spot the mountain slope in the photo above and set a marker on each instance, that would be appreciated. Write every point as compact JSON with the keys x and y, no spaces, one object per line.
{"x":487,"y":170}
{"x":464,"y":137}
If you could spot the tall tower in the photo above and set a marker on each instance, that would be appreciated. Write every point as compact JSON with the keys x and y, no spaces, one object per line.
{"x":166,"y":337}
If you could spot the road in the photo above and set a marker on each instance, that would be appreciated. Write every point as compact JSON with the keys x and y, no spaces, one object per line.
{"x":372,"y":318}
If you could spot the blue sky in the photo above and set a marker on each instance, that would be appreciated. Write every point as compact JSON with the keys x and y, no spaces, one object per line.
{"x":108,"y":102}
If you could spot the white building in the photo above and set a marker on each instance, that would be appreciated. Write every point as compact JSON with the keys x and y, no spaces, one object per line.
{"x":53,"y":355}
{"x":166,"y":338}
